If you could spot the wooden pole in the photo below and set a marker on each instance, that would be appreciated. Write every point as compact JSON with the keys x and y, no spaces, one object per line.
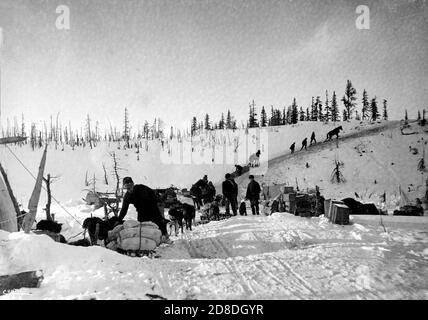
{"x":48,"y":204}
{"x":35,"y":196}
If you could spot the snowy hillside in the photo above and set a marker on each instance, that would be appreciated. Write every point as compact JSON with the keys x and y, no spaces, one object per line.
{"x":375,"y":162}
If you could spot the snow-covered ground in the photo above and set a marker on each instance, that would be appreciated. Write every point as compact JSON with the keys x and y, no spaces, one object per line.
{"x":254,"y":257}
{"x":264,"y":257}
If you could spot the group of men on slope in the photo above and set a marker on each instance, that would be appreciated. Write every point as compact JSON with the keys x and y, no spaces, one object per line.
{"x":304,"y":143}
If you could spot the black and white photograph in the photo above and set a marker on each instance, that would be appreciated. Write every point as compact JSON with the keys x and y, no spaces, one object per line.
{"x":213,"y":150}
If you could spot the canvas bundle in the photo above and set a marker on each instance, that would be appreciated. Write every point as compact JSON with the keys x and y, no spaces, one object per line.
{"x":137,"y":244}
{"x":145,"y":232}
{"x":135,"y":236}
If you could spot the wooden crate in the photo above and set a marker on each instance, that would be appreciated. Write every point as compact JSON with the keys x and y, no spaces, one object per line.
{"x":290,"y":197}
{"x":328,"y":206}
{"x":327,"y":203}
{"x":339,"y":214}
{"x":290,"y":206}
{"x":287,"y":190}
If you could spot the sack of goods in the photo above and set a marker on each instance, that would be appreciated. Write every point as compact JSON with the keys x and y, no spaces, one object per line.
{"x":136,"y":236}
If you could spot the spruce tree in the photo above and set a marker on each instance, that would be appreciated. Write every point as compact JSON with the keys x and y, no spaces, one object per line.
{"x":345,"y":115}
{"x":349,"y":99}
{"x":228,"y":120}
{"x":308,"y":117}
{"x":313,"y":110}
{"x":294,"y":112}
{"x":405,"y":115}
{"x":334,"y":109}
{"x":374,"y":109}
{"x":385,"y":111}
{"x":221,"y":123}
{"x":419,"y":115}
{"x":285,"y":119}
{"x":263,"y":118}
{"x":272,"y":116}
{"x":301,"y":114}
{"x":318,"y":109}
{"x":366,"y":106}
{"x":193,"y":129}
{"x":327,"y":116}
{"x":288,"y":115}
{"x":252,"y":119}
{"x":207,"y":122}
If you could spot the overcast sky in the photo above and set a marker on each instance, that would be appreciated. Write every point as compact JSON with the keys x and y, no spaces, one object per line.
{"x":175,"y":59}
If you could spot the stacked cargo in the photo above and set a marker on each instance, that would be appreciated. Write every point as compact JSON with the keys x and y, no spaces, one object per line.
{"x":290,"y":202}
{"x":134,"y":237}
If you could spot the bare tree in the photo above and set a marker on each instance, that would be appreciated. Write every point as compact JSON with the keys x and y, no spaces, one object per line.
{"x":88,"y":128}
{"x":86,"y":179}
{"x":336,"y":175}
{"x":116,"y":170}
{"x":48,"y":182}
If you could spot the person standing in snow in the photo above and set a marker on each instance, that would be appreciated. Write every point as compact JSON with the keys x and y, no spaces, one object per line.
{"x":313,"y":140}
{"x":229,"y":190}
{"x":292,"y":147}
{"x":235,"y":193}
{"x":253,"y":194}
{"x":211,"y":192}
{"x":304,"y":144}
{"x":145,"y":201}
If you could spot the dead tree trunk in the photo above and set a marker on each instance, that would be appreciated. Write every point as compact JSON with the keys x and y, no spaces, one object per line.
{"x":48,"y":204}
{"x":118,"y":196}
{"x":35,"y":196}
{"x":105,"y":175}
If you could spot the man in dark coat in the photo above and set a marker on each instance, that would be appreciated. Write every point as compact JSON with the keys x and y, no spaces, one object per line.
{"x":211,"y":192}
{"x":292,"y":147}
{"x":313,"y":140}
{"x":229,"y":190}
{"x":253,"y":194}
{"x":304,"y":144}
{"x":196,"y":193}
{"x":234,"y":194}
{"x":145,"y":201}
